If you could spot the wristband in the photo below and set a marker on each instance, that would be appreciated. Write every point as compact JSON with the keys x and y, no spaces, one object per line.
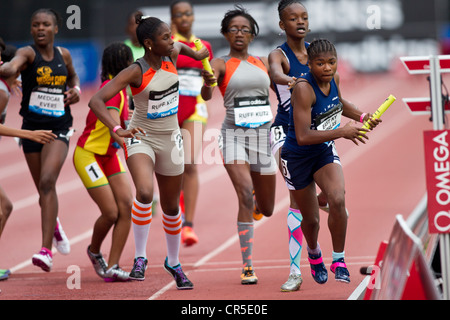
{"x":361,"y":119}
{"x":116,"y":128}
{"x":78,"y":88}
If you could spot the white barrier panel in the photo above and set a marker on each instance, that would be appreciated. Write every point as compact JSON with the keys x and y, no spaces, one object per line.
{"x":404,"y":267}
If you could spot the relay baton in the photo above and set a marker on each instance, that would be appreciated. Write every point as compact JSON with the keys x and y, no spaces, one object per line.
{"x":205,"y":62}
{"x":386,"y":104}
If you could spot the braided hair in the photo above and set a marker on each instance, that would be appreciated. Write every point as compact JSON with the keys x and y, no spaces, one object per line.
{"x":147,"y":27}
{"x":319,"y":46}
{"x":238,"y":11}
{"x":116,"y":57}
{"x":283,"y":4}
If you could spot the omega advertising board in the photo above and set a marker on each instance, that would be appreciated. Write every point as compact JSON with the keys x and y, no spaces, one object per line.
{"x":437,"y":163}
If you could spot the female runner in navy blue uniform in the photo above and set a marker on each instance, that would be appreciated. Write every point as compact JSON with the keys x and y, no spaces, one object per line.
{"x":309,"y":155}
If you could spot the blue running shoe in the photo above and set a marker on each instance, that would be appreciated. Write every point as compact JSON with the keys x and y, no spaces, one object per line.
{"x":4,"y":274}
{"x":318,"y":270}
{"x":182,"y":282}
{"x":339,"y":268}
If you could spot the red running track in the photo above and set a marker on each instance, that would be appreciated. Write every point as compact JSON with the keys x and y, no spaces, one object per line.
{"x":384,"y":178}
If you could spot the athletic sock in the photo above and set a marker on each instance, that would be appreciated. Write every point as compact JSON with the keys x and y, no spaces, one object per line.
{"x":245,"y":231}
{"x":141,"y":217}
{"x":314,"y":251}
{"x":294,"y":221}
{"x":172,"y":228}
{"x":337,"y":255}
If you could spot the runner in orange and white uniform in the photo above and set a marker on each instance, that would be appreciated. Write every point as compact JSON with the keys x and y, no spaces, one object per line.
{"x":153,"y":140}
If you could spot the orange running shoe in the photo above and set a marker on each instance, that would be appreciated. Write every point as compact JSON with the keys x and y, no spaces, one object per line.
{"x":188,"y":236}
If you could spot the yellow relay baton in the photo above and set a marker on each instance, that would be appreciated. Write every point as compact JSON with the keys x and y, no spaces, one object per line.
{"x":381,"y":109}
{"x":198,"y":44}
{"x":386,"y":104}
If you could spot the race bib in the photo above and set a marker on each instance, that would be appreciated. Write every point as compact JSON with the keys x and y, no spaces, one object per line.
{"x":94,"y":172}
{"x":47,"y":101}
{"x":162,"y":104}
{"x":277,"y":135}
{"x":252,"y":112}
{"x":331,"y":119}
{"x":202,"y":110}
{"x":191,"y":82}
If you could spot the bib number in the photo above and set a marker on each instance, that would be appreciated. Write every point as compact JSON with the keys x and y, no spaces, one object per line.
{"x":47,"y":101}
{"x":94,"y":172}
{"x":162,"y":104}
{"x":277,"y":135}
{"x":252,"y":112}
{"x":331,"y":119}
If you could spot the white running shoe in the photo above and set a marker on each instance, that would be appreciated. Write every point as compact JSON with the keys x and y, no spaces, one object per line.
{"x":60,"y":240}
{"x":115,"y":273}
{"x":99,"y":263}
{"x":43,"y":260}
{"x":293,"y":283}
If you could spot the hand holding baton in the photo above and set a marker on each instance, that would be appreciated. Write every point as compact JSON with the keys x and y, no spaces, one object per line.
{"x":205,"y":62}
{"x":386,"y":104}
{"x":381,"y":109}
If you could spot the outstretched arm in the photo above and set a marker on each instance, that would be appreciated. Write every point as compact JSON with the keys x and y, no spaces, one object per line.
{"x":40,"y":136}
{"x":98,"y":106}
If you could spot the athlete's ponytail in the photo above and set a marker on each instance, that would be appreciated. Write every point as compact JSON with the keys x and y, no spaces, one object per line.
{"x":147,"y":27}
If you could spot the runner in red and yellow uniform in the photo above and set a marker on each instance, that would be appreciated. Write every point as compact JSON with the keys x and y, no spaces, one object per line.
{"x":192,"y":113}
{"x":99,"y":167}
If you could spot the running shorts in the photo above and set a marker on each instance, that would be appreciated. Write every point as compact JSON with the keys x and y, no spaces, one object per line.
{"x":93,"y":169}
{"x":298,"y":169}
{"x":165,"y":150}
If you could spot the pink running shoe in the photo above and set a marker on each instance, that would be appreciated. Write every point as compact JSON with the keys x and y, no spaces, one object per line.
{"x":43,"y":259}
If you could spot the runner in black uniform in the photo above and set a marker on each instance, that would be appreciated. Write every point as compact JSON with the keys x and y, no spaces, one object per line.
{"x":50,"y":86}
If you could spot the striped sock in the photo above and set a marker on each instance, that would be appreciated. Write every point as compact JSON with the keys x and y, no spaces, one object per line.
{"x":141,"y":217}
{"x":172,"y":227}
{"x":294,"y":221}
{"x":245,"y":231}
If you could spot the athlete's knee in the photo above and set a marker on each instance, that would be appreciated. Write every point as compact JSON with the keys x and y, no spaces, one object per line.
{"x":111,"y":216}
{"x":310,"y":222}
{"x":245,"y":196}
{"x":190,"y":169}
{"x":47,"y":184}
{"x":336,"y":200}
{"x":124,"y":208}
{"x":144,"y":195}
{"x":7,"y":207}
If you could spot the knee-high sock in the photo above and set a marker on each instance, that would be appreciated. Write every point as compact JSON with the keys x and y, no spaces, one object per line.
{"x":294,"y":221}
{"x":172,"y":227}
{"x":245,"y":231}
{"x":141,"y":217}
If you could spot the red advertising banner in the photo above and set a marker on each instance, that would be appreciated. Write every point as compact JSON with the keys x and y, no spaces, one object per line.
{"x":437,"y":163}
